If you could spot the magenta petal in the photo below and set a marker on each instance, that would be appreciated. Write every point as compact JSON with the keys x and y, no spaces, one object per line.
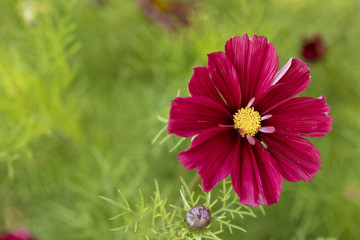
{"x":293,"y":81}
{"x":225,"y":78}
{"x":297,"y":158}
{"x":269,"y":178}
{"x":212,"y":152}
{"x":189,"y":116}
{"x":303,"y":116}
{"x":21,"y":234}
{"x":256,"y":63}
{"x":255,"y":173}
{"x":243,"y":175}
{"x":201,"y":84}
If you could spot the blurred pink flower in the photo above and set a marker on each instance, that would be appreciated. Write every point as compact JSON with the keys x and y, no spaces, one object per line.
{"x":21,"y":234}
{"x":313,"y":49}
{"x":351,"y":193}
{"x":247,"y":122}
{"x":167,"y":13}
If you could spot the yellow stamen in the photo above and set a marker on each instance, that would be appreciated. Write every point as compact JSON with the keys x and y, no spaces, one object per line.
{"x":248,"y":120}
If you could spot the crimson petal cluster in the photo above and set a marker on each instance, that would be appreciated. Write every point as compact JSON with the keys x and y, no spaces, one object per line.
{"x":247,"y":122}
{"x":21,"y":234}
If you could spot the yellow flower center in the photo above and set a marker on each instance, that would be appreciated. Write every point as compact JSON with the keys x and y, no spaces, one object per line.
{"x":164,"y":5}
{"x":248,"y":120}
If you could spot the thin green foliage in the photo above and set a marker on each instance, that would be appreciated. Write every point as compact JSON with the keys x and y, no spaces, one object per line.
{"x":166,"y":137}
{"x":95,"y":73}
{"x":155,"y":218}
{"x":35,"y":74}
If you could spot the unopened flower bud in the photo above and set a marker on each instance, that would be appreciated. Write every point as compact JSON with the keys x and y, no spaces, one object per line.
{"x":313,"y":48}
{"x":198,"y":217}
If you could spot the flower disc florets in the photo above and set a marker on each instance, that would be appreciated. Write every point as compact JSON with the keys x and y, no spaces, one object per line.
{"x":248,"y":120}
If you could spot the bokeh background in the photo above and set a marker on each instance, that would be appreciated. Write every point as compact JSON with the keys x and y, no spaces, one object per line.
{"x":82,"y":84}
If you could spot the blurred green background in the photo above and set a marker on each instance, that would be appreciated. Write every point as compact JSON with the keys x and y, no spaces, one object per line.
{"x":82,"y":84}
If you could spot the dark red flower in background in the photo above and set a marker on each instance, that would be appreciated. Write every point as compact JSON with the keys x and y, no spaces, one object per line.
{"x":167,"y":13}
{"x":247,"y":122}
{"x":21,"y":234}
{"x":313,"y":48}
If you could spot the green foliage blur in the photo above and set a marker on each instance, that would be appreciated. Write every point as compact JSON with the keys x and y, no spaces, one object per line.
{"x":82,"y":84}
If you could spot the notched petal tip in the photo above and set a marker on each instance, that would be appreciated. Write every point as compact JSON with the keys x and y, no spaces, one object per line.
{"x":297,"y":158}
{"x":252,"y":203}
{"x":185,"y":161}
{"x":261,"y":38}
{"x":245,"y":35}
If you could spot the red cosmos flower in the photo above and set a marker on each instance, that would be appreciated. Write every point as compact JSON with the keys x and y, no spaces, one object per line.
{"x":247,"y":122}
{"x":167,"y":13}
{"x":21,"y":234}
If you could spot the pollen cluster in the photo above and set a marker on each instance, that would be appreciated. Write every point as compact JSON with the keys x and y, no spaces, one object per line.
{"x":248,"y":120}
